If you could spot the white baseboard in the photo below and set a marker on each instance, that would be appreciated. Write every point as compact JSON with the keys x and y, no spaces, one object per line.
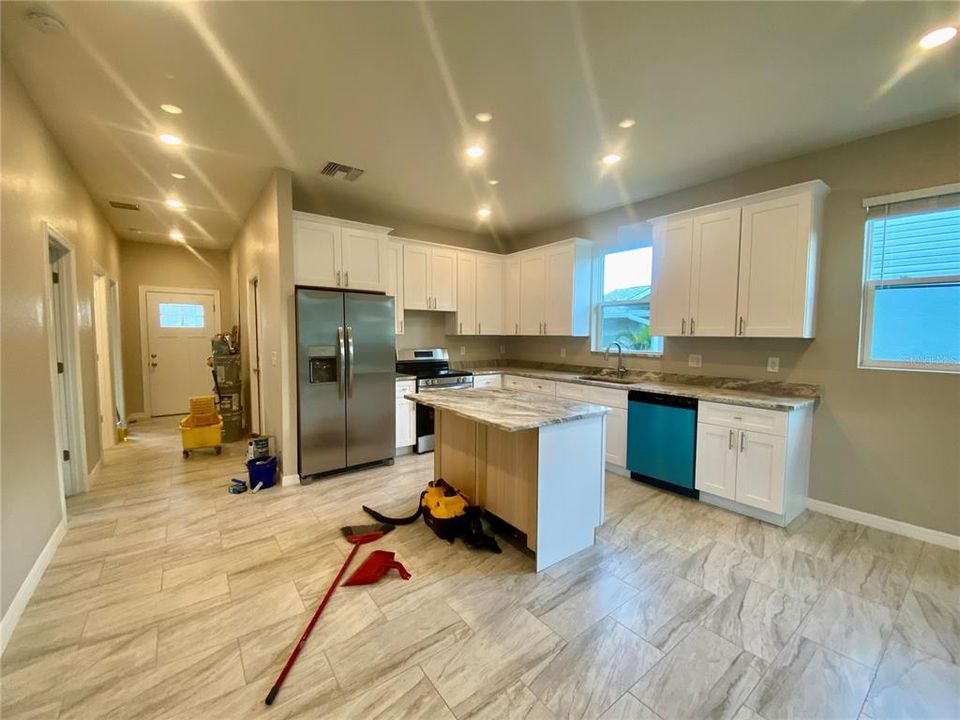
{"x":134,"y":417}
{"x":616,"y":470}
{"x":9,"y":622}
{"x":934,"y":537}
{"x":287,"y":480}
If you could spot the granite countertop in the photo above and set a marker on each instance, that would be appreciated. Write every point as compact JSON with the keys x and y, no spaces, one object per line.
{"x":401,"y":376}
{"x":748,"y":393}
{"x":508,"y":410}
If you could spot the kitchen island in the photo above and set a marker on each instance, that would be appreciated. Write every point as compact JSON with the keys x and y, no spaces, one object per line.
{"x":535,"y":462}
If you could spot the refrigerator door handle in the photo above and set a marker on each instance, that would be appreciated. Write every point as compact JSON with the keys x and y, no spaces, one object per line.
{"x":349,"y":360}
{"x":341,"y":359}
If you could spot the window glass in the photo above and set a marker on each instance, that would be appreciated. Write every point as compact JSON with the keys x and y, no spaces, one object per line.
{"x":917,"y":324}
{"x":623,"y":313}
{"x":181,"y":315}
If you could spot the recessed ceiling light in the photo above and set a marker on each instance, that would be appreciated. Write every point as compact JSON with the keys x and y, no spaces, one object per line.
{"x":611,"y":159}
{"x":484,"y":117}
{"x":176,"y":235}
{"x":492,"y":182}
{"x":178,"y":176}
{"x":170,"y":139}
{"x":173,"y":203}
{"x":475,"y":151}
{"x":627,"y":123}
{"x":172,"y":109}
{"x":484,"y":212}
{"x":938,"y":37}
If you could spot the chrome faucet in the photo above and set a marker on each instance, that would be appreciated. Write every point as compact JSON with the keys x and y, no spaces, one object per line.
{"x":621,"y":370}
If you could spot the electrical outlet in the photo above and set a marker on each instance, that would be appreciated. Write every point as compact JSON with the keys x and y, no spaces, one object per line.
{"x":503,"y":349}
{"x":273,"y":358}
{"x":695,"y":360}
{"x":563,"y":352}
{"x":773,"y":364}
{"x":463,"y":349}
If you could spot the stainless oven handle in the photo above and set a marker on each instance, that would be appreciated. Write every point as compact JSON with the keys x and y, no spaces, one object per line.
{"x":341,"y":359}
{"x":350,"y":362}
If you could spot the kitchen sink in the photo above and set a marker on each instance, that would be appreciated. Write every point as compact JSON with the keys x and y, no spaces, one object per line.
{"x":608,"y":378}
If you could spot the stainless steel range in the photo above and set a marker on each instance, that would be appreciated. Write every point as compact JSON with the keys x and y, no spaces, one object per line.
{"x":431,"y":367}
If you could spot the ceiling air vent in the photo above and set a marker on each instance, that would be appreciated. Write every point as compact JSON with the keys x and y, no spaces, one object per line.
{"x":120,"y":205}
{"x":335,"y":169}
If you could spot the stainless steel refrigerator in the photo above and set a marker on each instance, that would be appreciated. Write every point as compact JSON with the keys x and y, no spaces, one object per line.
{"x":345,"y":379}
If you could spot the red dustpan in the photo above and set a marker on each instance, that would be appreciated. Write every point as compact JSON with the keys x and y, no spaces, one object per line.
{"x":377,"y":564}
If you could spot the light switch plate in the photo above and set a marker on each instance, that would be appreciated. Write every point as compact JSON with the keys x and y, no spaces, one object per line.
{"x":463,"y":349}
{"x":695,"y":360}
{"x":563,"y":352}
{"x":773,"y":364}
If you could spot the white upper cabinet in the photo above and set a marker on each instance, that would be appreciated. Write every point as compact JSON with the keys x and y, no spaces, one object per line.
{"x":466,"y":318}
{"x":511,"y":297}
{"x":489,"y":295}
{"x":429,"y":277}
{"x":394,"y":284}
{"x":670,"y":297}
{"x":779,"y":251}
{"x":741,"y":268}
{"x":713,"y":273}
{"x":328,"y":252}
{"x":555,"y":289}
{"x":533,"y":282}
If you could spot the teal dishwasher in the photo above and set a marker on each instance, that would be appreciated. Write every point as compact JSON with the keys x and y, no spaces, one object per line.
{"x":662,"y":440}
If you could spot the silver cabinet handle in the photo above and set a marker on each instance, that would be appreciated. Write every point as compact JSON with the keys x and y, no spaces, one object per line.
{"x":741,"y":324}
{"x":683,"y":326}
{"x":730,"y":442}
{"x":338,"y":278}
{"x":461,"y":328}
{"x":691,"y":326}
{"x":544,"y":328}
{"x":743,"y":439}
{"x":346,"y":279}
{"x":401,"y":327}
{"x":349,"y":360}
{"x":478,"y":328}
{"x":516,"y":328}
{"x":341,"y":353}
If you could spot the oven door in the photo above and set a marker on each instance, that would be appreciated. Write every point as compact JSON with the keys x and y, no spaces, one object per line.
{"x":425,"y":415}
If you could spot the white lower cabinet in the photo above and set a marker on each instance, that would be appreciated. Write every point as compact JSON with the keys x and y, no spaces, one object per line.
{"x":763,"y":474}
{"x":487,"y":381}
{"x":406,"y":415}
{"x":617,"y":437}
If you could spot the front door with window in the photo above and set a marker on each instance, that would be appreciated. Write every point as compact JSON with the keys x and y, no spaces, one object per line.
{"x":179,"y":328}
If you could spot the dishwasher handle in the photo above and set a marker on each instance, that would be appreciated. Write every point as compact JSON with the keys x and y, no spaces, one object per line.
{"x":654,"y":398}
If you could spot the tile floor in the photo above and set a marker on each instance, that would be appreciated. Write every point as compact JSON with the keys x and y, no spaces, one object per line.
{"x":170,"y":598}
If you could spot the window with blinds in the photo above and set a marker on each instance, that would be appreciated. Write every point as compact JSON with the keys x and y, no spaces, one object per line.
{"x":911,"y":284}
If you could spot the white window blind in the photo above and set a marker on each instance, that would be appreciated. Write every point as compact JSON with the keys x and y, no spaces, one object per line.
{"x":911,"y":288}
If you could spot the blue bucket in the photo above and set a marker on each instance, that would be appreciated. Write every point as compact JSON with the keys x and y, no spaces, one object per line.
{"x":262,"y":470}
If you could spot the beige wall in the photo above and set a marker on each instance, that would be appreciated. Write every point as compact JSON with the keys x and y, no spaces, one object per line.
{"x":425,"y":329}
{"x":38,"y":186}
{"x":257,"y":250}
{"x":173,"y":266}
{"x":885,"y":442}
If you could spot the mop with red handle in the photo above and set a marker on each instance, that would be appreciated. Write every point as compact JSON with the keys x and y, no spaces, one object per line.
{"x":356,"y":535}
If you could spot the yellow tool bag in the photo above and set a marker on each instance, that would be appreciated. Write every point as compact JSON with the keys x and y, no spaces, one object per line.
{"x":449,"y":514}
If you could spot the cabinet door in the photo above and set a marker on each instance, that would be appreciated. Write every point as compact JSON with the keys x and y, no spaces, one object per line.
{"x":489,"y":295}
{"x":670,"y":299}
{"x":532,"y":289}
{"x":774,"y":268}
{"x":363,"y":260}
{"x":416,"y":276}
{"x":466,"y":294}
{"x":716,"y":460}
{"x":487,"y":381}
{"x":617,"y":437}
{"x":316,"y":253}
{"x":443,"y":278}
{"x":761,"y":465}
{"x":511,"y":297}
{"x":394,"y":281}
{"x":406,"y":423}
{"x":713,"y":282}
{"x":558,"y":309}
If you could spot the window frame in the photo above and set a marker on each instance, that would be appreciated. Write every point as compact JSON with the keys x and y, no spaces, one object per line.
{"x":596,"y":320}
{"x":869,"y":291}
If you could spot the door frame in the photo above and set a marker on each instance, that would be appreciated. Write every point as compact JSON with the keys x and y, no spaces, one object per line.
{"x":254,"y":332}
{"x":105,"y":366}
{"x":73,"y":436}
{"x":144,"y":344}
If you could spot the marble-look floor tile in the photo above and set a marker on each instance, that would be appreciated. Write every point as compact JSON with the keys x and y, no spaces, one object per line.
{"x":67,"y":579}
{"x":703,"y":676}
{"x":849,"y":625}
{"x":656,"y":558}
{"x":216,"y":562}
{"x":913,"y":685}
{"x":809,"y":681}
{"x":385,"y":649}
{"x":795,"y":573}
{"x":718,"y":568}
{"x":873,"y":577}
{"x":588,"y":675}
{"x":757,"y":618}
{"x":98,"y":596}
{"x":478,"y":666}
{"x":583,"y":603}
{"x":665,"y":610}
{"x":629,"y":708}
{"x":938,"y":574}
{"x":513,"y":703}
{"x":888,"y":545}
{"x":929,"y":624}
{"x":756,"y":537}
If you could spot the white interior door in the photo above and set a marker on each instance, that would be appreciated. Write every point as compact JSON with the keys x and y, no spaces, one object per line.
{"x":253,"y":349}
{"x":179,"y":328}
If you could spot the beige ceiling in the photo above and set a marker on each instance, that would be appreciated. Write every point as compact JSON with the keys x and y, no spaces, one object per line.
{"x":393,"y":88}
